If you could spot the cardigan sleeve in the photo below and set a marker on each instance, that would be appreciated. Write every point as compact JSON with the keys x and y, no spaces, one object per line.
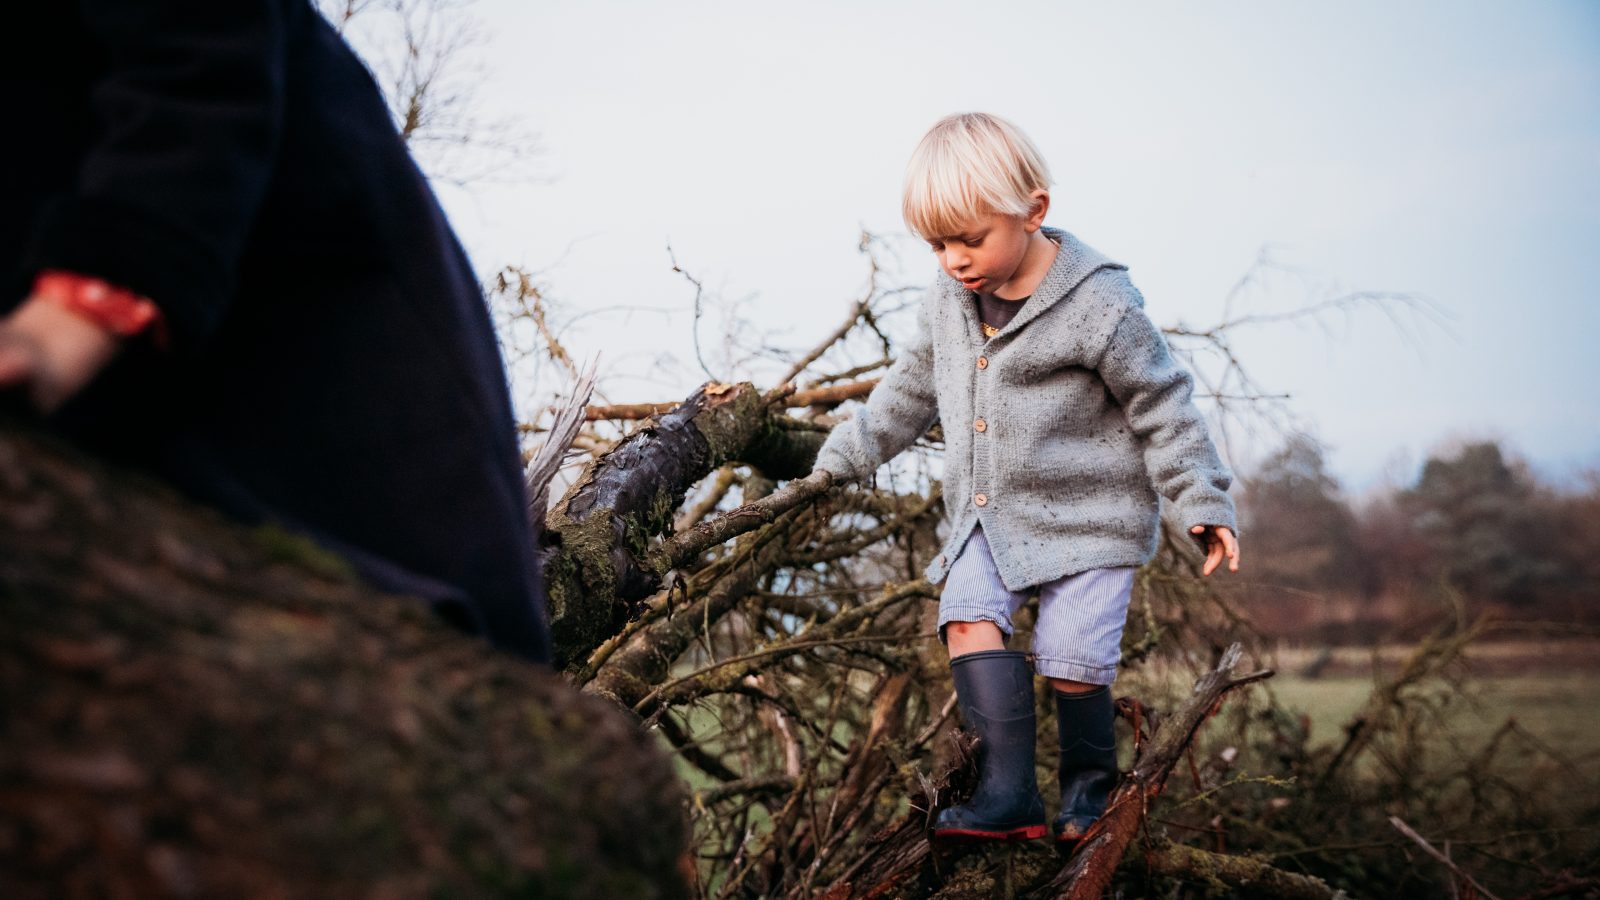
{"x":1156,"y":393}
{"x":187,"y":114}
{"x":901,"y":409}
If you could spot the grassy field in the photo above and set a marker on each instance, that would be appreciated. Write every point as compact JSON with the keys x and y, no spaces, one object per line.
{"x":1551,"y":692}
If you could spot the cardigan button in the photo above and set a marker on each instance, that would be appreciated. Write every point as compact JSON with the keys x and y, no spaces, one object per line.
{"x":980,"y":426}
{"x":981,"y":499}
{"x":983,"y":362}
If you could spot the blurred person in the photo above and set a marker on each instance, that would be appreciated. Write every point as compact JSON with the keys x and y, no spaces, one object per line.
{"x":218,"y":261}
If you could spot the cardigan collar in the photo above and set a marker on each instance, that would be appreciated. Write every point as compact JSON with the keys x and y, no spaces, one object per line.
{"x":1074,"y":262}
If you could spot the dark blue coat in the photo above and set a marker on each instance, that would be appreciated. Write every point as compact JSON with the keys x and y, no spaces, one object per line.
{"x":333,"y":365}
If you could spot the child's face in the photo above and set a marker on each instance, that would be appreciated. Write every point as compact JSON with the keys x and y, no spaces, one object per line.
{"x":987,"y":255}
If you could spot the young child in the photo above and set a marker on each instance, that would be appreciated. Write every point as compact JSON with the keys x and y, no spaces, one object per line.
{"x":1064,"y":416}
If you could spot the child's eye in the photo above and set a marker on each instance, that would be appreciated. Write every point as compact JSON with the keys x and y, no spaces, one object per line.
{"x":973,"y":242}
{"x":935,"y":247}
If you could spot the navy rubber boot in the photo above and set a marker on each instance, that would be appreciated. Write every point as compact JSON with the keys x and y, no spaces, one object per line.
{"x":995,"y":690}
{"x":1088,"y":768}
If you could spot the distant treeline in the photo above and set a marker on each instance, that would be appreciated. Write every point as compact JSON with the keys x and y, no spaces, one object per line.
{"x":1477,"y":528}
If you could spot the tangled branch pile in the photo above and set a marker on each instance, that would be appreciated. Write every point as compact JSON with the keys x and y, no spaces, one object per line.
{"x":191,"y":709}
{"x":774,"y":630}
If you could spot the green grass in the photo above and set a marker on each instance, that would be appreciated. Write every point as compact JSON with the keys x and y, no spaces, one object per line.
{"x":1553,"y":709}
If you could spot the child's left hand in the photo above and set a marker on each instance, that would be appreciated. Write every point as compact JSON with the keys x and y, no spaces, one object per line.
{"x":1219,"y":542}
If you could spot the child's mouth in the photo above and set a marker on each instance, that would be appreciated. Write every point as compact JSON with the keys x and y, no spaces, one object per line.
{"x":972,"y":284}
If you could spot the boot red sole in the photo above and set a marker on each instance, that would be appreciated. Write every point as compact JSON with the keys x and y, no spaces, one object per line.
{"x":1025,"y":833}
{"x":1066,"y":846}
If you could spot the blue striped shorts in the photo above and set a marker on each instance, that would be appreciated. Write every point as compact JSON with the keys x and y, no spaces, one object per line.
{"x":1078,"y":635}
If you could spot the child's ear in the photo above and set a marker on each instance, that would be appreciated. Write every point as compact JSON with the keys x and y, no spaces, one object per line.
{"x":1041,"y":205}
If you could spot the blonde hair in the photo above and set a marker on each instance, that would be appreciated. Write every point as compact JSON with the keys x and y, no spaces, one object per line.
{"x":966,"y":166}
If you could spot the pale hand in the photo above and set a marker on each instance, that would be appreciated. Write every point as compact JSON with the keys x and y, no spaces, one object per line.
{"x":1219,"y":542}
{"x":50,"y":352}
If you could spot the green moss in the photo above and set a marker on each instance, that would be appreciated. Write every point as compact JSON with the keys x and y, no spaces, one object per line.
{"x":729,"y":426}
{"x":999,"y":871}
{"x":580,"y":583}
{"x":662,"y":507}
{"x":636,"y":533}
{"x":586,"y":545}
{"x":280,"y":545}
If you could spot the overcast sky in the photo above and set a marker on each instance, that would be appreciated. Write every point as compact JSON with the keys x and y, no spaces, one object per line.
{"x":1446,"y":149}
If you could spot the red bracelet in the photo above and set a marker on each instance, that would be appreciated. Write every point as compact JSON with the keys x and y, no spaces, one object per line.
{"x":117,"y":310}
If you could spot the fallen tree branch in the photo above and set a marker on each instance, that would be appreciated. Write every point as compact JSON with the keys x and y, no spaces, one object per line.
{"x":720,"y":674}
{"x":1089,"y":873}
{"x":626,"y":411}
{"x":823,"y":396}
{"x":833,"y":394}
{"x":1233,"y":873}
{"x":688,"y":544}
{"x":765,"y":786}
{"x":645,"y":659}
{"x":850,"y":373}
{"x":594,"y":546}
{"x":675,"y":691}
{"x":691,"y":516}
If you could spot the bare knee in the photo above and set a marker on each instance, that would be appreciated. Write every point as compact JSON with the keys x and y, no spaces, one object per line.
{"x":969,"y":629}
{"x":973,"y":637}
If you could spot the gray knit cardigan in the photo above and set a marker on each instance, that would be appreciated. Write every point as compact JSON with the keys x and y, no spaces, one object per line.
{"x":1059,"y":430}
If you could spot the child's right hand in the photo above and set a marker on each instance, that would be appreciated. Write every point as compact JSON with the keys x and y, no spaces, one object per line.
{"x":1219,"y":542}
{"x":49,"y":353}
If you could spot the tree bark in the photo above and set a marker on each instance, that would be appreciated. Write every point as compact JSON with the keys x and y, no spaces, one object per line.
{"x":190,"y":708}
{"x":645,"y":658}
{"x":597,"y":563}
{"x":1238,"y":875}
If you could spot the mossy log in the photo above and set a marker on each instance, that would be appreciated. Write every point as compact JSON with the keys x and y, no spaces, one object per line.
{"x":645,"y":657}
{"x":597,"y":563}
{"x":192,"y":708}
{"x":1237,"y":876}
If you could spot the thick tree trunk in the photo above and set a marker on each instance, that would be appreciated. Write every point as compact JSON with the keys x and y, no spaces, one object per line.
{"x":598,"y":565}
{"x":190,"y":708}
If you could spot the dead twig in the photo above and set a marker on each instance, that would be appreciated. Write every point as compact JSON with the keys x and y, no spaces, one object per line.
{"x":861,"y":308}
{"x":828,"y":396}
{"x":1408,"y":831}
